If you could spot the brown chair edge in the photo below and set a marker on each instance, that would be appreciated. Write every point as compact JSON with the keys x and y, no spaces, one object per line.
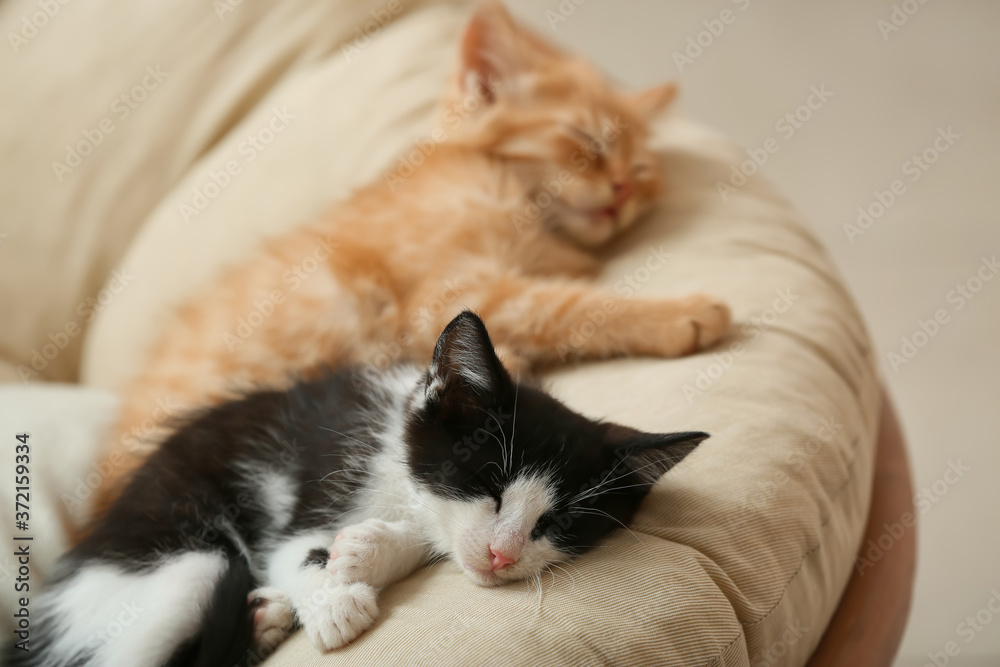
{"x":868,"y":624}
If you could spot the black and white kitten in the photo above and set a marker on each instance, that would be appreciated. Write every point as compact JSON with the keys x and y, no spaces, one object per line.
{"x":295,"y":507}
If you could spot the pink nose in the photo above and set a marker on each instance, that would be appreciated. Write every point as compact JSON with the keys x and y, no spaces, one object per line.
{"x":500,"y":559}
{"x":622,"y":192}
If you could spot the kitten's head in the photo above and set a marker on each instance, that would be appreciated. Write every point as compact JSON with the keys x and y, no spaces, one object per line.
{"x":578,"y":146}
{"x":512,"y":480}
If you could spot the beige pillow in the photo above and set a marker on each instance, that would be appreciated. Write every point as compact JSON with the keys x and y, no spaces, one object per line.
{"x":740,"y":555}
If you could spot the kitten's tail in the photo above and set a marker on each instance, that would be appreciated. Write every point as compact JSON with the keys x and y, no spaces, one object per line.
{"x":226,"y":636}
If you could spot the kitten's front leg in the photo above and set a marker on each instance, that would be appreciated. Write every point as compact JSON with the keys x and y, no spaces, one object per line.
{"x":364,"y":558}
{"x":334,"y":589}
{"x":331,"y":612}
{"x":552,"y":320}
{"x":377,"y":552}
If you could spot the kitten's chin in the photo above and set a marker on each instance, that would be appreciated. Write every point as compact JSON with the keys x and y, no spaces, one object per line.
{"x":483,"y":577}
{"x":487,"y":578}
{"x":589,"y":228}
{"x":594,"y":227}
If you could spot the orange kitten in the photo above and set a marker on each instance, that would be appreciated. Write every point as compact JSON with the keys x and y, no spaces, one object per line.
{"x":543,"y":162}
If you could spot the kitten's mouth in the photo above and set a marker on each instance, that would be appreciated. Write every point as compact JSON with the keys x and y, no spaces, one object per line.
{"x":614,"y":211}
{"x":613,"y":215}
{"x":596,"y":215}
{"x":618,"y":212}
{"x":605,"y":214}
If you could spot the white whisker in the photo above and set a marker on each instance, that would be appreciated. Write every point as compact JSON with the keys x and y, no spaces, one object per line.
{"x":517,"y":389}
{"x":349,"y":437}
{"x":558,"y":567}
{"x":594,"y":510}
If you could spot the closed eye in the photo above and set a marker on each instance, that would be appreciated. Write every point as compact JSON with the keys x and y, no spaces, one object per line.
{"x":542,"y":525}
{"x":581,"y":135}
{"x":592,"y":149}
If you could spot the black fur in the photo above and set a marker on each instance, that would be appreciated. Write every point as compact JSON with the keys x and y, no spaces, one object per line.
{"x":317,"y":557}
{"x":226,"y":635}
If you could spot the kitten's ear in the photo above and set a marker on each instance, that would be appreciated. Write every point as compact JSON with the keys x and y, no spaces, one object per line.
{"x":495,"y":50}
{"x":650,"y":455}
{"x":651,"y":102}
{"x":465,"y":372}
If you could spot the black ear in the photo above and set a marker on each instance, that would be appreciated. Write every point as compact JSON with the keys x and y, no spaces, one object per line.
{"x":649,"y":455}
{"x":465,"y":373}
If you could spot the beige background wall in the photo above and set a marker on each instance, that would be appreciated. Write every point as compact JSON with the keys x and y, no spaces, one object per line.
{"x":890,"y":95}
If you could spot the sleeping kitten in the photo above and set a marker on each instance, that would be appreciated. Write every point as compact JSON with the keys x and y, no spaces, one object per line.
{"x":297,"y":507}
{"x":543,"y":162}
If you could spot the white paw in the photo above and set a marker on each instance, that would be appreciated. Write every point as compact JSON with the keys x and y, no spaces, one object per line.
{"x":273,"y":617}
{"x":337,"y":614}
{"x":356,"y":552}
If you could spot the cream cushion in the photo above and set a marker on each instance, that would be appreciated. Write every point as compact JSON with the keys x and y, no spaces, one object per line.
{"x":740,"y":554}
